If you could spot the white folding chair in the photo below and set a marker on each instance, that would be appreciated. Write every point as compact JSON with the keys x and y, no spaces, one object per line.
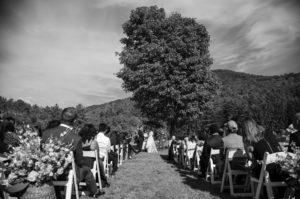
{"x":71,"y":180}
{"x":264,"y":178}
{"x":107,"y":166}
{"x":126,"y":152}
{"x":212,"y":169}
{"x":96,"y":167}
{"x":239,"y":156}
{"x":121,"y":151}
{"x":198,"y":151}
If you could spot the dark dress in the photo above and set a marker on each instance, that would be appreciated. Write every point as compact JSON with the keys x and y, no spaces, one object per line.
{"x":89,"y":162}
{"x":271,"y":145}
{"x":215,"y":142}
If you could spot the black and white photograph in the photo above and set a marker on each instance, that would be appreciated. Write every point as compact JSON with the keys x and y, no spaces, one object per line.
{"x":146,"y":99}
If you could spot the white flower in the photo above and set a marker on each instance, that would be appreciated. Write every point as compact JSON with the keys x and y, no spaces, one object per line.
{"x":32,"y":176}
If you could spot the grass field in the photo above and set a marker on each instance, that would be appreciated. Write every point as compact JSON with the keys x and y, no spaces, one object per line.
{"x":152,"y":176}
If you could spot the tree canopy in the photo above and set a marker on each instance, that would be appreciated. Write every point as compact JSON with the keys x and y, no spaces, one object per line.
{"x":166,"y":65}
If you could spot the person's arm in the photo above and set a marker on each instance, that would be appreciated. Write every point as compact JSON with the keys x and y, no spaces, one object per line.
{"x":79,"y":154}
{"x":94,"y":145}
{"x":108,"y":146}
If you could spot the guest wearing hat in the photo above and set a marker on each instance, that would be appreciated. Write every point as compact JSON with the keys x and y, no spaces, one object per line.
{"x":232,"y":140}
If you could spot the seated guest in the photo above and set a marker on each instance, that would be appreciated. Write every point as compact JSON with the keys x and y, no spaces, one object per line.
{"x":295,"y":137}
{"x":65,"y":132}
{"x":88,"y":133}
{"x":258,"y":142}
{"x":173,"y":142}
{"x":232,"y":140}
{"x":8,"y":137}
{"x":104,"y":145}
{"x":215,"y":142}
{"x":191,"y":143}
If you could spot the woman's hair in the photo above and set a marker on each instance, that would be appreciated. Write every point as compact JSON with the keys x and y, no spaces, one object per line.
{"x":87,"y":132}
{"x":252,"y":132}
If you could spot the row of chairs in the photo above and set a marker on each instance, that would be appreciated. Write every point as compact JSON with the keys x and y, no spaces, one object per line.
{"x":70,"y":187}
{"x":252,"y":186}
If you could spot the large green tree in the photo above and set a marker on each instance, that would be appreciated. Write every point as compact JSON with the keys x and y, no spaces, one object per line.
{"x":166,"y":65}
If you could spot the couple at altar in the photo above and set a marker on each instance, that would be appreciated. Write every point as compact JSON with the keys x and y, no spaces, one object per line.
{"x":147,"y":142}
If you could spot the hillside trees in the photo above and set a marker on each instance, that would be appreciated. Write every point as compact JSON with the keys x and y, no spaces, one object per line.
{"x":166,"y":65}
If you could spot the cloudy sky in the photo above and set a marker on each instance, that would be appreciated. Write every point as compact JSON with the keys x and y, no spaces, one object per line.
{"x":61,"y":51}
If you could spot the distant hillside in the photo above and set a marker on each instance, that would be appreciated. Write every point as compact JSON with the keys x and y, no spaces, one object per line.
{"x":119,"y":114}
{"x":271,"y":100}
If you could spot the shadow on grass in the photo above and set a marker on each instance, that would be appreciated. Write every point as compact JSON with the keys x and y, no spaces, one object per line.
{"x":192,"y":179}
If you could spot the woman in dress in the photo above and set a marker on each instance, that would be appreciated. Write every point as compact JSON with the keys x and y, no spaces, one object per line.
{"x":150,"y":145}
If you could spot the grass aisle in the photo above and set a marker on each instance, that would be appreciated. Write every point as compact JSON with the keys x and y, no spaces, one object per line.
{"x":151,"y":176}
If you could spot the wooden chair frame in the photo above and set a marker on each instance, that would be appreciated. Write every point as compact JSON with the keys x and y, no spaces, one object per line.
{"x":212,"y":169}
{"x":72,"y":180}
{"x":96,"y":166}
{"x":229,"y":172}
{"x":264,"y":178}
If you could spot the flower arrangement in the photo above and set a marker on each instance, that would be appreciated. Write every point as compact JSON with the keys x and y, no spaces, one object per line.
{"x":35,"y":162}
{"x":291,"y":163}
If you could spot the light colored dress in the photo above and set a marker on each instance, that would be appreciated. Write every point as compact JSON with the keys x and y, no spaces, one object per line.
{"x":150,"y":145}
{"x":191,"y":148}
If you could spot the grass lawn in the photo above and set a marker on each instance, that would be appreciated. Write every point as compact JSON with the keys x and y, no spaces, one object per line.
{"x":152,"y":176}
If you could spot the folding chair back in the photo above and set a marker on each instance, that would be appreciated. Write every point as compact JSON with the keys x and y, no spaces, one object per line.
{"x":238,"y":156}
{"x":212,"y":169}
{"x":71,"y":180}
{"x":120,"y":155}
{"x":264,"y":178}
{"x":96,"y":166}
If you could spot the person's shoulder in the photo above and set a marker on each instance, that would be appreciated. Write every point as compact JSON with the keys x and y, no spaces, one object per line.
{"x":51,"y":131}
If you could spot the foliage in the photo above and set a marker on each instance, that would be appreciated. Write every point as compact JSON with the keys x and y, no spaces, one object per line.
{"x":35,"y":162}
{"x":291,"y":163}
{"x":166,"y":65}
{"x":120,"y":115}
{"x":270,"y":100}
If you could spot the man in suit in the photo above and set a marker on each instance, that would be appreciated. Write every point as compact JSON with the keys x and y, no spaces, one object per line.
{"x":65,"y":132}
{"x":295,"y":137}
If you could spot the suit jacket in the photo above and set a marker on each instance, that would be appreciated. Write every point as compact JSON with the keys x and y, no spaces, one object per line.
{"x":294,"y":137}
{"x":70,"y":137}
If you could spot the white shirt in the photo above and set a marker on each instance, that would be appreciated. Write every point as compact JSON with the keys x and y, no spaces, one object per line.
{"x":103,"y":142}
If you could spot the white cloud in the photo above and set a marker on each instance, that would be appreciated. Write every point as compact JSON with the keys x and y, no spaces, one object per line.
{"x":64,"y":51}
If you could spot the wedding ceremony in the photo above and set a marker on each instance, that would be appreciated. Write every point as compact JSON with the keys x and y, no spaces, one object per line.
{"x":147,"y":99}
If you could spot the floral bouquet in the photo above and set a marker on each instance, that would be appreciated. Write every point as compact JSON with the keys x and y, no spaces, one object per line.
{"x":291,"y":165}
{"x":34,"y":162}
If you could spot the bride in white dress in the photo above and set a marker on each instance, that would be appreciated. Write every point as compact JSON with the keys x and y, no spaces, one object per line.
{"x":150,"y":145}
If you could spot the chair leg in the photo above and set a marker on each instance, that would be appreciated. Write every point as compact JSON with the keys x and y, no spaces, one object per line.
{"x":258,"y":190}
{"x":269,"y":191}
{"x":223,"y":178}
{"x":231,"y":185}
